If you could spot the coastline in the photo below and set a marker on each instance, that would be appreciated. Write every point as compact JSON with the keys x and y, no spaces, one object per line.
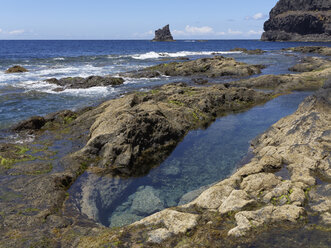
{"x":75,"y":124}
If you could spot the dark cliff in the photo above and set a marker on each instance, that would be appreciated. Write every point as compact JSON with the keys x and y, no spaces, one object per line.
{"x":299,"y":20}
{"x":163,"y":34}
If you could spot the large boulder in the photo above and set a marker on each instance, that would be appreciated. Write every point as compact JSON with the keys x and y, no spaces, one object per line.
{"x":306,"y":20}
{"x":163,"y":34}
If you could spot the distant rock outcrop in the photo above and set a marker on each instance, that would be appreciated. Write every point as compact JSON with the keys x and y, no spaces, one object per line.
{"x":16,"y":69}
{"x":305,"y":20}
{"x":163,"y":34}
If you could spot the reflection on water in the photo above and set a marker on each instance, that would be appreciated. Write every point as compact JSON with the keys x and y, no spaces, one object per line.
{"x":202,"y":158}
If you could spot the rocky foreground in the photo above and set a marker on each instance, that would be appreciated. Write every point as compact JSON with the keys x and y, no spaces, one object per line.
{"x":284,"y":182}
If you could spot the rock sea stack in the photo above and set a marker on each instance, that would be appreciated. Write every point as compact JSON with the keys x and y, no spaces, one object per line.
{"x":163,"y":34}
{"x":292,"y":20}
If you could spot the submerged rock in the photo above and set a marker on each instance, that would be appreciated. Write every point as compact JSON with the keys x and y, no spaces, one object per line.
{"x":146,"y":201}
{"x":16,"y":69}
{"x":163,"y":34}
{"x":82,"y":83}
{"x":292,"y":20}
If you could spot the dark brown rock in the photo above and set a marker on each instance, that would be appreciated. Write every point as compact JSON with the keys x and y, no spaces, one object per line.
{"x":34,"y":123}
{"x":16,"y":69}
{"x":82,"y":83}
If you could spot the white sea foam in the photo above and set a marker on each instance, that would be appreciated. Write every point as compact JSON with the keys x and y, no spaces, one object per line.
{"x":60,"y":58}
{"x":92,"y":92}
{"x":155,"y":55}
{"x":36,"y":85}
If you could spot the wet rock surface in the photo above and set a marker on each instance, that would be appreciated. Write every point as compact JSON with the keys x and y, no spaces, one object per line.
{"x":306,"y":20}
{"x":81,"y":83}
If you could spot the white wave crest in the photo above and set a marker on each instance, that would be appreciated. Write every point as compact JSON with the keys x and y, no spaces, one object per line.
{"x":155,"y":55}
{"x":60,"y":58}
{"x":90,"y":92}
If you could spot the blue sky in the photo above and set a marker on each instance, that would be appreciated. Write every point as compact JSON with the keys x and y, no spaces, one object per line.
{"x":132,"y":19}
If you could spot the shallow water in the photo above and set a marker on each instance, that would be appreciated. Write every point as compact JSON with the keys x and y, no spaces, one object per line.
{"x":202,"y":158}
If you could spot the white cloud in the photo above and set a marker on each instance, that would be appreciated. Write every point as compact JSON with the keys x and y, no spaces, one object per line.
{"x":257,"y":16}
{"x":199,"y":30}
{"x":144,"y":35}
{"x":191,"y":30}
{"x":178,"y":32}
{"x":253,"y":32}
{"x":234,"y":32}
{"x":15,"y":32}
{"x":0,"y":30}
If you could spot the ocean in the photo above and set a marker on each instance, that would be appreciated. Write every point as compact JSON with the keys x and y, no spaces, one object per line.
{"x":26,"y":94}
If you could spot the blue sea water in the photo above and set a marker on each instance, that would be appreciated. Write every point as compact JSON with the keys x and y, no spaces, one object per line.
{"x":24,"y":95}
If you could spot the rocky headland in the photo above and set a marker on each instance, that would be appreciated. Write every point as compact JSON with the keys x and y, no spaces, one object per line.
{"x":163,"y":34}
{"x":282,"y":186}
{"x":291,"y":20}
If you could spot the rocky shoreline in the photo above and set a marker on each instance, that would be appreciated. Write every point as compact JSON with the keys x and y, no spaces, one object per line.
{"x":128,"y":136}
